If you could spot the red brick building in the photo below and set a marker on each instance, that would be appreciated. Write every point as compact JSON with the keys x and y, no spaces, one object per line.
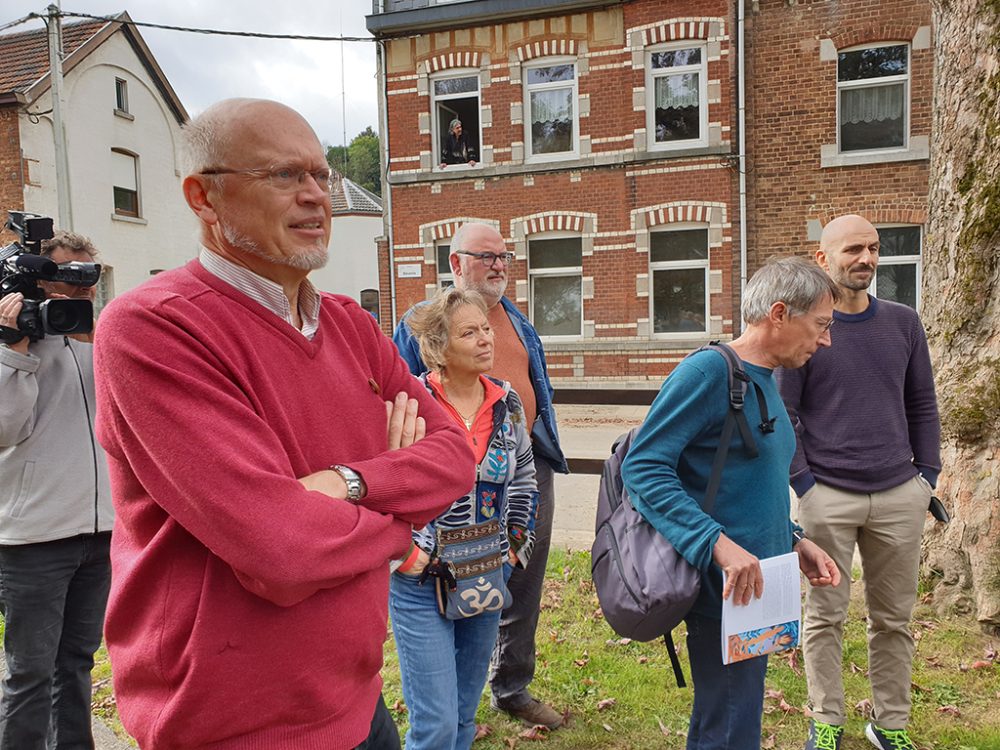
{"x":838,"y":121}
{"x":606,"y":144}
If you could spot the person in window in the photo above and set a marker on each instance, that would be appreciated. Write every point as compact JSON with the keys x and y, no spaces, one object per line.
{"x":455,"y":148}
{"x":444,"y":650}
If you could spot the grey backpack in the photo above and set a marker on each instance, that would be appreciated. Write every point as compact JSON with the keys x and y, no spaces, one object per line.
{"x":644,"y":586}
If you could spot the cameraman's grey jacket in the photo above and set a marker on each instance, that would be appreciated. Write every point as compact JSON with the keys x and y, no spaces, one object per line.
{"x":53,"y":476}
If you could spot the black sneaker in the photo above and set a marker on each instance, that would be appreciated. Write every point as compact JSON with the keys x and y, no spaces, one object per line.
{"x":824,"y":736}
{"x":889,"y":739}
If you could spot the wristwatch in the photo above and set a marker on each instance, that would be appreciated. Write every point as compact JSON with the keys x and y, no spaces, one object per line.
{"x":797,"y":536}
{"x":353,"y":481}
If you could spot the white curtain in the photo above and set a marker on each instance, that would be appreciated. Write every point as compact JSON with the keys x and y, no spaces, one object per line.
{"x":552,"y":106}
{"x":871,"y":104}
{"x":677,"y":91}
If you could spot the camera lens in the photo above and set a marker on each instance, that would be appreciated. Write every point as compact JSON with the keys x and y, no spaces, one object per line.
{"x":62,"y":319}
{"x":63,"y":316}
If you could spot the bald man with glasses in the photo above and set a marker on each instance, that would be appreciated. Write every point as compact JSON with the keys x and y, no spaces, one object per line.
{"x":267,"y":461}
{"x":480,"y":261}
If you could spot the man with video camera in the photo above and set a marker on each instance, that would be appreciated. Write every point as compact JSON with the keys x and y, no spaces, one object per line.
{"x":55,"y":521}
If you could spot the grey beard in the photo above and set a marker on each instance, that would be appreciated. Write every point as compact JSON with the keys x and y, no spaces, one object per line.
{"x":308,"y":261}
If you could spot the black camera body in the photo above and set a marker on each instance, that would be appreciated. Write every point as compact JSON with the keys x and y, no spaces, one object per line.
{"x":22,"y":267}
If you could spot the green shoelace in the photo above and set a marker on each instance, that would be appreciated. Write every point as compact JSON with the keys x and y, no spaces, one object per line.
{"x":899,"y":738}
{"x":826,"y":735}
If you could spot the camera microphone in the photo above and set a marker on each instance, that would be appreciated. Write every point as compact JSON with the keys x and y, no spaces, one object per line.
{"x":35,"y":264}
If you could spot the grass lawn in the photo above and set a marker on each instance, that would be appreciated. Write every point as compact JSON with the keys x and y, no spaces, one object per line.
{"x":622,"y":694}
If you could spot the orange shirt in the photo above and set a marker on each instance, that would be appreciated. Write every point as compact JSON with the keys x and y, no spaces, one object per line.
{"x":478,"y":436}
{"x":510,"y":361}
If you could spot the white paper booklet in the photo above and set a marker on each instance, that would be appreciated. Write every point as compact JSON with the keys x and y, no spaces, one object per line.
{"x":768,"y":624}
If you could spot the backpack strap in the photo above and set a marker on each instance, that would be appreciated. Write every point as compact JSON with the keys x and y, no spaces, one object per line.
{"x":668,"y":641}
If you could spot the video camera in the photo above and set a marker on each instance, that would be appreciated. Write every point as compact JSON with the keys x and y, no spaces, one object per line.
{"x":22,"y":267}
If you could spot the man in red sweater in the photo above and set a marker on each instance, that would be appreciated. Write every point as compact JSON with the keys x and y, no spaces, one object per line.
{"x":262,"y":479}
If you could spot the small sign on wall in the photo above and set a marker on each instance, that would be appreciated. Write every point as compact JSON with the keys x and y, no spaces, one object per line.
{"x":408,"y":271}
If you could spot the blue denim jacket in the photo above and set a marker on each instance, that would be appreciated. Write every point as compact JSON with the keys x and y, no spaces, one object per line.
{"x":544,"y":435}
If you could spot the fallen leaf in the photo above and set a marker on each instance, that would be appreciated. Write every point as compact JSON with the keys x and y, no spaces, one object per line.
{"x":793,"y":661}
{"x":399,"y":707}
{"x":934,"y":661}
{"x":511,"y":743}
{"x":605,"y":704}
{"x":643,"y":659}
{"x":981,"y":664}
{"x":788,"y":708}
{"x":776,"y":694}
{"x":963,"y":667}
{"x":535,"y":733}
{"x":588,"y":681}
{"x":950,"y":711}
{"x":990,"y":653}
{"x":607,"y":728}
{"x":482,"y":730}
{"x":767,"y":743}
{"x":864,"y":707}
{"x":663,"y":727}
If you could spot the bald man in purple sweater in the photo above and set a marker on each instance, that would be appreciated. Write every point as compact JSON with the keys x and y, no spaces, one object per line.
{"x":867,"y":456}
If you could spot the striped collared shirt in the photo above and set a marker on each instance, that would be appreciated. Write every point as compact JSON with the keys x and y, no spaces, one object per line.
{"x":265,"y":292}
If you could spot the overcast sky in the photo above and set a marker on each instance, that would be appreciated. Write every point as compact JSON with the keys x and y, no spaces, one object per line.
{"x":203,"y":69}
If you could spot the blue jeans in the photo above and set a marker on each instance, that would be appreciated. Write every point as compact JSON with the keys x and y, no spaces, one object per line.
{"x":443,"y":664}
{"x":512,"y":667}
{"x":728,"y":700}
{"x":53,"y":596}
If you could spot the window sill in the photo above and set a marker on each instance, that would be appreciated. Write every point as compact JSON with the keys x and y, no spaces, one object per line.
{"x":919,"y":150}
{"x":124,"y":115}
{"x":630,"y":343}
{"x":129,"y":219}
{"x":585,"y":162}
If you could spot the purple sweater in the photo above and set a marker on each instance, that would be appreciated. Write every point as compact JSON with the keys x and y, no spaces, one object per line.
{"x":864,"y":409}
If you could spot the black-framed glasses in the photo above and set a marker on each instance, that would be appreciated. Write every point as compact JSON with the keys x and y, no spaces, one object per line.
{"x":488,"y":259}
{"x":284,"y":179}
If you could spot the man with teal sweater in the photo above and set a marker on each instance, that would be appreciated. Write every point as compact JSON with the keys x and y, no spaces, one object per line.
{"x":787,"y":308}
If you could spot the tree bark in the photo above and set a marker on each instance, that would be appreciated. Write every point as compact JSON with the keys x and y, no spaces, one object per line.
{"x":961,"y":305}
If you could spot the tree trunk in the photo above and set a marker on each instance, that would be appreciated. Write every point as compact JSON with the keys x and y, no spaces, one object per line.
{"x":961,"y":305}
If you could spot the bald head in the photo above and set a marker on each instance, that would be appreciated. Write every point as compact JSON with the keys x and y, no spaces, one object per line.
{"x":848,"y":251}
{"x":848,"y":225}
{"x":227,"y":128}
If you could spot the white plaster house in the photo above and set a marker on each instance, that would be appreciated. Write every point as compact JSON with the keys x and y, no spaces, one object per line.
{"x":122,"y":121}
{"x":353,"y":265}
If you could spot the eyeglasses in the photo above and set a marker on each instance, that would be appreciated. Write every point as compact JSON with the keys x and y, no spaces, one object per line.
{"x":489,"y":259}
{"x":284,"y":179}
{"x":825,"y":325}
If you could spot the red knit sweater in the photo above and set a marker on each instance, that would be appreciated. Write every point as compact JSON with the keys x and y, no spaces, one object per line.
{"x":245,"y":611}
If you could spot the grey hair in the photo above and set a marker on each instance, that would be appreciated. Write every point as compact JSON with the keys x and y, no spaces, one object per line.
{"x":797,"y":282}
{"x":453,"y":123}
{"x":72,"y":241}
{"x":205,"y":138}
{"x":458,"y":239}
{"x":431,"y":322}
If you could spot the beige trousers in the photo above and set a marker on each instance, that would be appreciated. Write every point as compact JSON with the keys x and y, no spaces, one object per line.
{"x":886,"y":527}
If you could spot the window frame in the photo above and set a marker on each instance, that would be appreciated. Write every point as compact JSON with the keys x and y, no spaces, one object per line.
{"x":138,"y":193}
{"x":902,"y":260}
{"x":905,"y":79}
{"x":555,"y":272}
{"x":121,"y":96}
{"x":526,"y":91}
{"x":436,"y":135}
{"x":443,"y":278}
{"x":105,"y":291}
{"x":680,"y":265}
{"x":650,"y":81}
